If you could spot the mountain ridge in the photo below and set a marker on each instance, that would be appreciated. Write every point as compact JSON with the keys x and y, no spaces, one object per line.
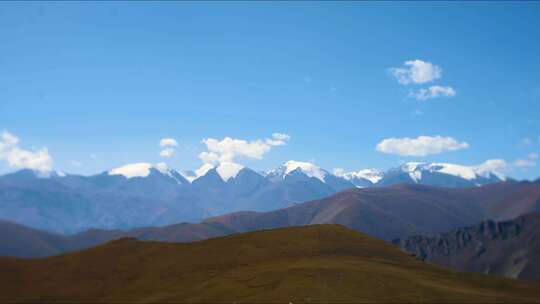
{"x":393,"y":212}
{"x":144,"y":194}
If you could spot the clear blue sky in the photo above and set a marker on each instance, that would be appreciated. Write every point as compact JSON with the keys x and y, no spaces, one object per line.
{"x":99,"y":84}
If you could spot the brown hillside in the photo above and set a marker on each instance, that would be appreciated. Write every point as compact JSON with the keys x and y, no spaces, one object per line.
{"x":319,"y":263}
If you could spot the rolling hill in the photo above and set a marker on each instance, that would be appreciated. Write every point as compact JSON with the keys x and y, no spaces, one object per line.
{"x":319,"y":263}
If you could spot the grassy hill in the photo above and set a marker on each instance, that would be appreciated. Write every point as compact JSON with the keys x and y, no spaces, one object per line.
{"x":320,"y":263}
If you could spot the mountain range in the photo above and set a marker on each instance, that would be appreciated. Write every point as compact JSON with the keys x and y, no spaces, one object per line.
{"x":315,"y":264}
{"x":143,"y":194}
{"x":398,"y":211}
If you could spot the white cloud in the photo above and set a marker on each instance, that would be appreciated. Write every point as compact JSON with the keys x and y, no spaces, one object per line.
{"x":433,"y":92}
{"x":168,"y":142}
{"x":16,"y":157}
{"x":416,"y":72}
{"x":278,"y":139}
{"x":228,"y":149}
{"x":528,"y":162}
{"x":420,"y":146}
{"x":167,"y":152}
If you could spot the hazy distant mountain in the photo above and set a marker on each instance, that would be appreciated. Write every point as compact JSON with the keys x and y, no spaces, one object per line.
{"x":74,"y":203}
{"x":143,"y":194}
{"x":392,"y":212}
{"x":509,"y":248}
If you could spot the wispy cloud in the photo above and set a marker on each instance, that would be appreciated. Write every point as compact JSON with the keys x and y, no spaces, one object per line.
{"x":526,"y":163}
{"x":433,"y":92}
{"x":416,"y":72}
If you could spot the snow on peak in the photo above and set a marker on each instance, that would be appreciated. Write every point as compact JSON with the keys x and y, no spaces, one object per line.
{"x":465,"y":172}
{"x":141,"y":170}
{"x":225,"y":170}
{"x":193,"y":175}
{"x":490,"y":168}
{"x":372,"y":175}
{"x":228,"y":170}
{"x":308,"y":169}
{"x":132,"y":170}
{"x":415,"y":170}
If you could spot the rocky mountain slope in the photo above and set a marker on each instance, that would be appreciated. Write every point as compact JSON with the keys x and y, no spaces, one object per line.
{"x":508,"y":248}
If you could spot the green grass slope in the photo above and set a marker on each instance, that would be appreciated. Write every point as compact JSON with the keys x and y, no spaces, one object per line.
{"x":320,"y":263}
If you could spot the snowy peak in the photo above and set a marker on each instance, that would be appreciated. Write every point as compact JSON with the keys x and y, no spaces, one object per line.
{"x":225,"y":170}
{"x":435,"y":174}
{"x":308,"y":169}
{"x":144,"y":170}
{"x":415,"y":170}
{"x":228,"y":170}
{"x":372,"y":175}
{"x":132,"y":170}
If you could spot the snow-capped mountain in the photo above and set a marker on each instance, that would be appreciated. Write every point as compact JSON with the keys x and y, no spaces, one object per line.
{"x":439,"y":174}
{"x":145,"y":170}
{"x":145,"y":194}
{"x":295,"y":171}
{"x":363,"y":178}
{"x":291,"y":167}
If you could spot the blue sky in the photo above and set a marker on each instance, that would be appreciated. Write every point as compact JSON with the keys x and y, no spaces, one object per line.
{"x":99,"y":84}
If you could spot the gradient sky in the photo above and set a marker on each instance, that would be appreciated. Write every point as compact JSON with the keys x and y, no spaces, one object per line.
{"x":99,"y":84}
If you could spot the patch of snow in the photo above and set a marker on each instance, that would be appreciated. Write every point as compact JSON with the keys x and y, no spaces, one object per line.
{"x":309,"y":169}
{"x":143,"y":170}
{"x":465,"y":172}
{"x":227,"y":170}
{"x":416,"y":176}
{"x":203,"y":169}
{"x":372,"y":175}
{"x":413,"y":169}
{"x":163,"y":168}
{"x":132,"y":170}
{"x":470,"y":173}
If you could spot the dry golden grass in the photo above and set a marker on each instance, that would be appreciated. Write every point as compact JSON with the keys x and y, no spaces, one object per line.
{"x":321,"y":263}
